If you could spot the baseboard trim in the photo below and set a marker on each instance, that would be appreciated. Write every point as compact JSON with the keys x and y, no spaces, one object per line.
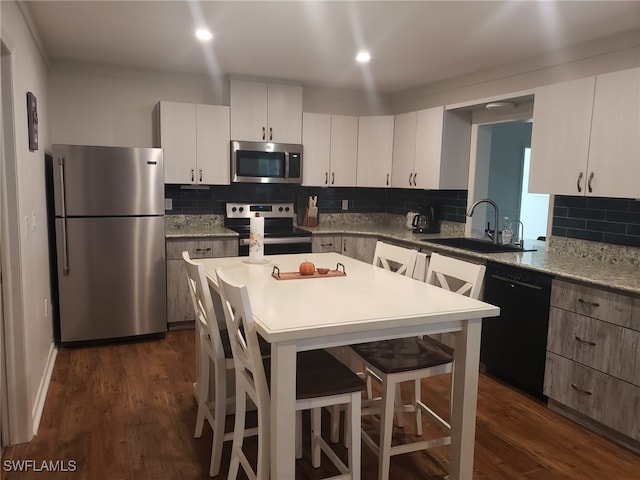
{"x":41,"y":397}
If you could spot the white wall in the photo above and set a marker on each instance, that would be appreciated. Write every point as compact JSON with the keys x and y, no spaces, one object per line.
{"x":93,"y":104}
{"x":97,"y":105}
{"x":29,"y":74}
{"x":618,"y":52}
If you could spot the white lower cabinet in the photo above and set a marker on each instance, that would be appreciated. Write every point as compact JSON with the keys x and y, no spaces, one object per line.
{"x":593,"y":357}
{"x":179,"y":307}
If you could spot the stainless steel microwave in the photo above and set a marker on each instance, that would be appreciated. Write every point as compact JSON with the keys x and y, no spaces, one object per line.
{"x":265,"y":162}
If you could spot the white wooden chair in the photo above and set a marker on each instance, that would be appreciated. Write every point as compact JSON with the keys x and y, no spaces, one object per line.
{"x":411,"y":359}
{"x":321,"y":381}
{"x":392,"y":257}
{"x":213,"y":350}
{"x":389,"y":257}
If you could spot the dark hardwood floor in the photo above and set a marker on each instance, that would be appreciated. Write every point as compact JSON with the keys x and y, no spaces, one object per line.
{"x":126,"y":411}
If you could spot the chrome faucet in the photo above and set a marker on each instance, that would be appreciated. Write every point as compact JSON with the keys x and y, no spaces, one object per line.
{"x":495,"y":208}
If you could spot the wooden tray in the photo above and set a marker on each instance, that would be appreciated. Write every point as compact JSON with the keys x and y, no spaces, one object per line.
{"x":278,"y":275}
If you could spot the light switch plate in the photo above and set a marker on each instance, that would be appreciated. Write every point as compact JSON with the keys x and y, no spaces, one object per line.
{"x":345,"y":204}
{"x":168,"y":204}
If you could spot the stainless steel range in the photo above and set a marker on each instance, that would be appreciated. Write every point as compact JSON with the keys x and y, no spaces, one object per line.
{"x":280,"y":235}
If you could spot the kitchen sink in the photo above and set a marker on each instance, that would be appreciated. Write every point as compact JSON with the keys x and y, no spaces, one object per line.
{"x":475,"y":245}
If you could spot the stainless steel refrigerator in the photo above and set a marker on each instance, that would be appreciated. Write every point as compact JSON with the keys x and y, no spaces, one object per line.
{"x":109,"y":242}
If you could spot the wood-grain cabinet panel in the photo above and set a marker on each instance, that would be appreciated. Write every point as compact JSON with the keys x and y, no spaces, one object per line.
{"x":326,"y":243}
{"x":604,"y":305}
{"x":179,"y":305}
{"x":606,"y":399}
{"x":206,"y":248}
{"x":600,"y":345}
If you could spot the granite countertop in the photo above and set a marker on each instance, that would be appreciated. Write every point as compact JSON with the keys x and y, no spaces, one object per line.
{"x":587,"y":265}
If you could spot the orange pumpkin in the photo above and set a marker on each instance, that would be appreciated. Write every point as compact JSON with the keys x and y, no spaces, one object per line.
{"x":307,"y":268}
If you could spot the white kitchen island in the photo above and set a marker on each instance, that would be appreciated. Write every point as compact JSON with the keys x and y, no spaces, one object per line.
{"x":366,"y":304}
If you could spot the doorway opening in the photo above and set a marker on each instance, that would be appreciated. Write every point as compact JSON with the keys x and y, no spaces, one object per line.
{"x":501,"y":169}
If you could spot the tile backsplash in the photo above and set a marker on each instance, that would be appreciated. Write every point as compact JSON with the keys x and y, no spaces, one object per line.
{"x":211,"y":199}
{"x":606,"y":220}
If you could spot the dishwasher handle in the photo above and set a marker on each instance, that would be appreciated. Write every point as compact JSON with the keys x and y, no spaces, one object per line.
{"x":516,"y":282}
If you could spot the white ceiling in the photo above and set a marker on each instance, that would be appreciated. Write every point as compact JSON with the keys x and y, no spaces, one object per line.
{"x":314,"y":42}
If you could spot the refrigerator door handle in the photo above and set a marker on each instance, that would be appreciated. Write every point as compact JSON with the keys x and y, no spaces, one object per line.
{"x":63,"y":208}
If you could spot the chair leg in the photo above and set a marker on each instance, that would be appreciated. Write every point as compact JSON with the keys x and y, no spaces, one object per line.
{"x":386,"y":429}
{"x":203,"y":393}
{"x":219,"y":409}
{"x":399,"y":407}
{"x":334,"y":411}
{"x":354,"y":421}
{"x":298,"y":434}
{"x":417,"y":395}
{"x":238,"y":432}
{"x":264,"y":450}
{"x":316,"y":432}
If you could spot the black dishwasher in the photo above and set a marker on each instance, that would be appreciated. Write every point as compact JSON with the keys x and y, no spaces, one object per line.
{"x":514,"y":344}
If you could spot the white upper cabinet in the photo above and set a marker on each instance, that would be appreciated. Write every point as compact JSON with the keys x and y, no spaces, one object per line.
{"x":344,"y":151}
{"x":212,"y":144}
{"x":614,"y":149}
{"x":375,"y":151}
{"x":404,"y":150}
{"x":560,"y":137}
{"x":195,"y":141}
{"x":585,"y":137}
{"x":316,"y":140}
{"x":266,"y":112}
{"x":330,"y":149}
{"x":431,"y":150}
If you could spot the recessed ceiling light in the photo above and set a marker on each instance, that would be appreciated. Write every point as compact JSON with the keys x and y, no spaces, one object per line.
{"x":203,"y":34}
{"x":363,"y":56}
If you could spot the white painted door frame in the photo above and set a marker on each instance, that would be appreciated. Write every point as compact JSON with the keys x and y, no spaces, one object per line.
{"x":17,"y":419}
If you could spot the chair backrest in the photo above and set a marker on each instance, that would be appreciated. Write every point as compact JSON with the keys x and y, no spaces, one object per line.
{"x":206,"y":321}
{"x":462,"y":277}
{"x":243,"y":337}
{"x":398,"y":259}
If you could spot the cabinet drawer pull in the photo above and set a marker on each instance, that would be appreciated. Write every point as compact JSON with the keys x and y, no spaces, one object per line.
{"x":192,"y":175}
{"x":333,"y":178}
{"x":200,"y":175}
{"x":326,"y":244}
{"x":203,"y":249}
{"x":326,"y":178}
{"x":578,"y":339}
{"x":580,"y":390}
{"x":589,"y":182}
{"x":587,"y":302}
{"x":410,"y":175}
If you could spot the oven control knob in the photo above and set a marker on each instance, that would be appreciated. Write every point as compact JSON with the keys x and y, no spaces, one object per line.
{"x":280,"y":209}
{"x":233,"y":209}
{"x":286,"y":209}
{"x":241,"y":209}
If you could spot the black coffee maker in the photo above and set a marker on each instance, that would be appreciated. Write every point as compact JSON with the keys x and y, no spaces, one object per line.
{"x":426,"y":221}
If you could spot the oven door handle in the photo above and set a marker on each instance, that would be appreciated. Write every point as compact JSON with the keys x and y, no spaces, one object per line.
{"x":278,"y":241}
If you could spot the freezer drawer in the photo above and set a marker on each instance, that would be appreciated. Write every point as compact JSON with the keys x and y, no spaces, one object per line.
{"x":112,"y":278}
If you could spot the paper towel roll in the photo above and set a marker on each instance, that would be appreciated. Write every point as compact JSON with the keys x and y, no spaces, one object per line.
{"x":256,"y":240}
